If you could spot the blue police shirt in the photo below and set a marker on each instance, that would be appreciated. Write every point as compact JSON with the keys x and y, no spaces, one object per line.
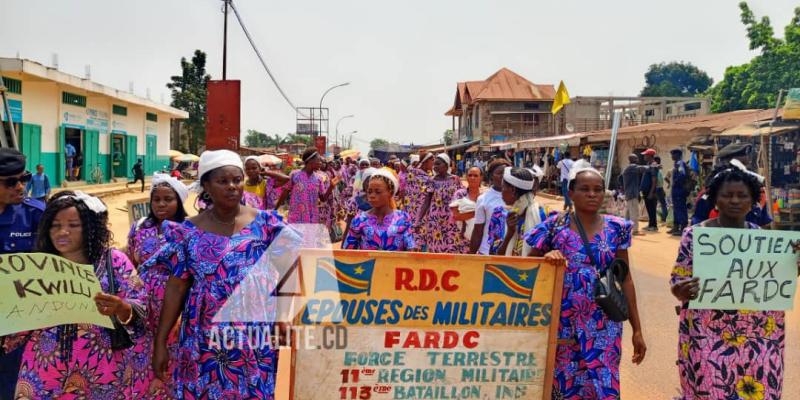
{"x":18,"y":226}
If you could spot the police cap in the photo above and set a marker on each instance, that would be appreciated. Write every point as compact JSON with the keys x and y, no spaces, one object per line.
{"x":12,"y":162}
{"x":735,"y":150}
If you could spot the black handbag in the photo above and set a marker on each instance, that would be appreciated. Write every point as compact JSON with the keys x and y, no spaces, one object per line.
{"x":120,"y":339}
{"x":608,"y":292}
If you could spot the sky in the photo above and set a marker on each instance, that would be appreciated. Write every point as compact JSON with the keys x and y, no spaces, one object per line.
{"x":402,"y":58}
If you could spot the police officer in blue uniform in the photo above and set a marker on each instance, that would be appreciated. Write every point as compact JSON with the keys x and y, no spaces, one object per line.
{"x":19,"y":221}
{"x":759,"y":215}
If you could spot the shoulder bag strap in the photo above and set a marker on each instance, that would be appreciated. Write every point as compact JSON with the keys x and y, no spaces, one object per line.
{"x":112,"y":284}
{"x":586,"y":247}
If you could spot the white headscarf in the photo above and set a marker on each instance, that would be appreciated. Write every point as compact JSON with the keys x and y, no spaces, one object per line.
{"x":254,"y":158}
{"x":384,"y":172}
{"x":177,"y":186}
{"x":93,"y":203}
{"x":444,"y":157}
{"x":581,"y":166}
{"x":213,"y":159}
{"x":738,"y":164}
{"x":525,"y":202}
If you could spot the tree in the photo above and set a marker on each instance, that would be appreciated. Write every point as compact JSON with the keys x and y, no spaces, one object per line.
{"x":756,"y":84}
{"x":189,"y":94}
{"x":448,"y":137}
{"x":675,"y":79}
{"x":295,"y":138}
{"x":378,"y":143}
{"x":255,"y":138}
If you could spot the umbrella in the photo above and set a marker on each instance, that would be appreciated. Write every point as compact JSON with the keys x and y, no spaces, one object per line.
{"x":187,"y":158}
{"x":174,"y":153}
{"x":352,"y":153}
{"x":269,"y":159}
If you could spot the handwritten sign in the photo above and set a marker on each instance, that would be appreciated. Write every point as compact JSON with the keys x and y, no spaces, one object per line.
{"x":745,"y":269}
{"x":42,"y":290}
{"x":428,"y":326}
{"x":137,"y":209}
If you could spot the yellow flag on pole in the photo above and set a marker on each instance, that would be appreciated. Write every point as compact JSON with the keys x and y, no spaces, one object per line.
{"x":562,"y":98}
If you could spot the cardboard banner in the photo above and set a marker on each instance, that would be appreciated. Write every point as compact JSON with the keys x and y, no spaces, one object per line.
{"x":432,"y":326}
{"x":41,"y":290}
{"x":137,"y":209}
{"x":744,"y":269}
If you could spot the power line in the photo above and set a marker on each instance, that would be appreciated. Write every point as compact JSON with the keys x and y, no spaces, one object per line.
{"x":260,"y":58}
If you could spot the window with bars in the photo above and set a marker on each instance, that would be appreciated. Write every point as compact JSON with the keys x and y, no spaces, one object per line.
{"x":13,"y":85}
{"x":153,"y":117}
{"x":119,"y":110}
{"x":73,"y":99}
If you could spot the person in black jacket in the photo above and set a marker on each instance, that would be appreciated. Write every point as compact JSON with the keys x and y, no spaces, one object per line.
{"x":138,"y":174}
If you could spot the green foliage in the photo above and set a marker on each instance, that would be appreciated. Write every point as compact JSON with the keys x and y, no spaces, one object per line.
{"x":189,"y":94}
{"x":676,"y":79}
{"x":378,"y":143}
{"x":756,"y":84}
{"x":448,"y":137}
{"x":255,"y":138}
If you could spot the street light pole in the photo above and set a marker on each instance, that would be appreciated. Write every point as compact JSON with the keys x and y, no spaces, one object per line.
{"x":350,"y":142}
{"x":225,"y":43}
{"x":320,"y":103}
{"x":337,"y":127}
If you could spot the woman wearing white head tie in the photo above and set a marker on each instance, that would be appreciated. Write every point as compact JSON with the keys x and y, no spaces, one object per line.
{"x":438,"y":228}
{"x":72,"y":361}
{"x":167,"y":196}
{"x":305,"y":190}
{"x":210,"y":256}
{"x":383,"y":226}
{"x":509,"y":223}
{"x":589,"y":343}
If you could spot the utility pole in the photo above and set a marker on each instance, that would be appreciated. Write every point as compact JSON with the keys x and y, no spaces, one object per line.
{"x":225,"y":42}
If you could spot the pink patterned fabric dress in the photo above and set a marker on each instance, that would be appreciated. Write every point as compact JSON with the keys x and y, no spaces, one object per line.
{"x":392,"y":234}
{"x":144,"y":241}
{"x":417,"y":184}
{"x":727,"y":354}
{"x":304,"y":191}
{"x":326,"y":207}
{"x":76,"y":361}
{"x":441,"y":233}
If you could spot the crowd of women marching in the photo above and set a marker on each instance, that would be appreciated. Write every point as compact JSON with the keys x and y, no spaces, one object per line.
{"x":176,"y":272}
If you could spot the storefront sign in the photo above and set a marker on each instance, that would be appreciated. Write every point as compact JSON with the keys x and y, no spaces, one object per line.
{"x":429,"y":326}
{"x":744,"y":269}
{"x":138,"y":209}
{"x":15,"y":107}
{"x":73,"y":118}
{"x":42,"y":290}
{"x":96,"y":119}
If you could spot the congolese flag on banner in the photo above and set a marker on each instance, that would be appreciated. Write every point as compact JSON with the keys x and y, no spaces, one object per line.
{"x":509,"y":281}
{"x":341,"y":277}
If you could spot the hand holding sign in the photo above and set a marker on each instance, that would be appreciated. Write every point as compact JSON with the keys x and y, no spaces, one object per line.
{"x":686,"y":289}
{"x":110,"y":305}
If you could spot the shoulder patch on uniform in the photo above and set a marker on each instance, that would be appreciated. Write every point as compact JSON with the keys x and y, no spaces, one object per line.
{"x":38,"y":204}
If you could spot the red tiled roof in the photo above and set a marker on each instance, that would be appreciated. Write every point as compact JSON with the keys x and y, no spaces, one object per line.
{"x":503,"y":85}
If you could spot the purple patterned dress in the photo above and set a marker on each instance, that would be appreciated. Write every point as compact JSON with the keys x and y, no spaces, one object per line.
{"x":304,"y":191}
{"x":727,"y":354}
{"x":89,"y":369}
{"x":326,"y":208}
{"x":207,"y":367}
{"x":440,"y":231}
{"x":417,"y":184}
{"x":392,"y":234}
{"x":588,"y":367}
{"x":144,"y":241}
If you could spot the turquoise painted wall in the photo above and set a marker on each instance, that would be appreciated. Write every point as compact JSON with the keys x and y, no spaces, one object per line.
{"x":49,"y":163}
{"x":105,"y":160}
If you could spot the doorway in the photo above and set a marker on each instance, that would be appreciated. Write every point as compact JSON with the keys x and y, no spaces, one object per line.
{"x":73,"y":152}
{"x":118,"y":160}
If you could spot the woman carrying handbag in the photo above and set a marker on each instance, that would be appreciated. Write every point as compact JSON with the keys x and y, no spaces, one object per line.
{"x":589,"y":341}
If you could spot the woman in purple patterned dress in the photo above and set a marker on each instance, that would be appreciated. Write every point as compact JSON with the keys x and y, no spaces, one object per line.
{"x":589,"y":344}
{"x":212,"y":255}
{"x":262,"y":185}
{"x":305,"y":190}
{"x":167,"y":195}
{"x":76,"y":361}
{"x":521,"y":213}
{"x":383,"y":227}
{"x":726,"y":354}
{"x":439,"y":232}
{"x":418,"y":181}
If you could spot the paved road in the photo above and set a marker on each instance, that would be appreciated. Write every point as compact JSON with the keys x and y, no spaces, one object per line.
{"x":652,"y":257}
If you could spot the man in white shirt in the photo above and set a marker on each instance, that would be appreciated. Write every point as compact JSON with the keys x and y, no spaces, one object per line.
{"x":564,"y":166}
{"x":485,"y":206}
